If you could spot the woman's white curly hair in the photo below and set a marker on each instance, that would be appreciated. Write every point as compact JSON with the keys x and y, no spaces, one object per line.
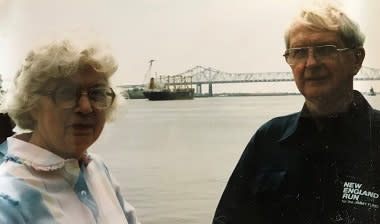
{"x":55,"y":61}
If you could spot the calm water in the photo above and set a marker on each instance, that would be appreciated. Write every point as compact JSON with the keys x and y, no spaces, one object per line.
{"x":173,"y":158}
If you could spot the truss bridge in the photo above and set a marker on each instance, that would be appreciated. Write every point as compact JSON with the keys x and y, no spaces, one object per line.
{"x":207,"y":75}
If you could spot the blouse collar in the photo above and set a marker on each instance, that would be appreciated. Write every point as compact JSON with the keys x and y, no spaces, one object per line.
{"x":36,"y":157}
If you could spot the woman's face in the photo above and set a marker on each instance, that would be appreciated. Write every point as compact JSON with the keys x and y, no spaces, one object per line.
{"x":69,"y":132}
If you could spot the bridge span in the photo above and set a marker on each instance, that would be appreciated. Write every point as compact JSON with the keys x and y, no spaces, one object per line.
{"x":207,"y":75}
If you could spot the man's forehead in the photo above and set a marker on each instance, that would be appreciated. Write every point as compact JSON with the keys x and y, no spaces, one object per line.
{"x":301,"y":35}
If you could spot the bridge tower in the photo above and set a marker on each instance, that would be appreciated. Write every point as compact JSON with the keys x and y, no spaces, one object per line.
{"x":199,"y":89}
{"x":210,"y":89}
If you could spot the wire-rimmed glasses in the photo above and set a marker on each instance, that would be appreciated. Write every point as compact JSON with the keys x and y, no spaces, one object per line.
{"x":66,"y":97}
{"x":299,"y":55}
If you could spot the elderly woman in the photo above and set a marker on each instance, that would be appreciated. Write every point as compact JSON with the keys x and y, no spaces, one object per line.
{"x":63,"y":95}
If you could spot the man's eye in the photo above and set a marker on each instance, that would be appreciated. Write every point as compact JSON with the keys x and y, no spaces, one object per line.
{"x":325,"y":50}
{"x":298,"y":52}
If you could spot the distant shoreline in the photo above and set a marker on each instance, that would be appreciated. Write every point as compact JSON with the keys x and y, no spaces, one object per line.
{"x":247,"y":94}
{"x":262,"y":94}
{"x":137,"y":94}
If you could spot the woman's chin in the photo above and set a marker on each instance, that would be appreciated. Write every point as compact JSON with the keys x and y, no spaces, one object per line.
{"x":78,"y":146}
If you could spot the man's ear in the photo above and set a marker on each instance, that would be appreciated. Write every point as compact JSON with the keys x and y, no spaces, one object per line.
{"x":359,"y":54}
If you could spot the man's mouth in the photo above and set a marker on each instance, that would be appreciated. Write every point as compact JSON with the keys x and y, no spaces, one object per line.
{"x":316,"y":78}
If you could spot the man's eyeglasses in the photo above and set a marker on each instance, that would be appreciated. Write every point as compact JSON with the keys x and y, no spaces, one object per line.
{"x":67,"y":97}
{"x":299,"y":55}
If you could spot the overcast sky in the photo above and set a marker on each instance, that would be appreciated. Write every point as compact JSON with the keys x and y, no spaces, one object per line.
{"x":229,"y":35}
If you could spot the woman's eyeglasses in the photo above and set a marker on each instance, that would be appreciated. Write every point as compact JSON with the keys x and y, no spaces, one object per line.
{"x":67,"y":97}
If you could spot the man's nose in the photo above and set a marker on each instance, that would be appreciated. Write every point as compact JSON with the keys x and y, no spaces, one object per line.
{"x":84,"y":105}
{"x":310,"y":60}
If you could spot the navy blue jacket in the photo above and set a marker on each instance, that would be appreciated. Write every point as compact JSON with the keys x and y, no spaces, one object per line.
{"x":293,"y":172}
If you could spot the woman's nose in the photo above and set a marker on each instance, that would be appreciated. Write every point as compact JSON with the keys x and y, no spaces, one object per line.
{"x":84,"y":104}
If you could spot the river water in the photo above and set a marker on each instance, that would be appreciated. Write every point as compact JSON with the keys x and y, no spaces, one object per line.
{"x":173,"y":158}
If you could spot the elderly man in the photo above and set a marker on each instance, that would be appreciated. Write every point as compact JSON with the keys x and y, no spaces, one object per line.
{"x":320,"y":165}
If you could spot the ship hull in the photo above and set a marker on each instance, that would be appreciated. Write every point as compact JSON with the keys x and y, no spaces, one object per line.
{"x":136,"y":94}
{"x":183,"y":94}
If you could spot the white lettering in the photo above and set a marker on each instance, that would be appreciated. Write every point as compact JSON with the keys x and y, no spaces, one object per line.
{"x":367,"y":193}
{"x":360,"y":203}
{"x":348,"y":184}
{"x":350,"y":196}
{"x":345,"y":196}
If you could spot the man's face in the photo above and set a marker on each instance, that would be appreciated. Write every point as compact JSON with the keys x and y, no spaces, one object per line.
{"x":69,"y":132}
{"x":322,"y":78}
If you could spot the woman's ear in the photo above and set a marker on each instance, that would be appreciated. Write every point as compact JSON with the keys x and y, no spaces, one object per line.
{"x":34,"y":112}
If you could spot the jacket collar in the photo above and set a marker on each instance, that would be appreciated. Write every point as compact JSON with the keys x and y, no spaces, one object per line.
{"x":292,"y":126}
{"x":359,"y":104}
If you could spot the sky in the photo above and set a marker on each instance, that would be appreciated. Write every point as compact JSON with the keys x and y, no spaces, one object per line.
{"x":229,"y":35}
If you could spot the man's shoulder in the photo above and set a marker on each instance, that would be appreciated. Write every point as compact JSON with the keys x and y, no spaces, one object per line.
{"x":377,"y":114}
{"x":279,"y":127}
{"x":281,"y":121}
{"x":376,"y":119}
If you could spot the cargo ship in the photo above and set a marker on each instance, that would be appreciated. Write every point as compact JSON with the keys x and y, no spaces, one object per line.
{"x":163,"y":91}
{"x":175,"y":87}
{"x":135,"y":93}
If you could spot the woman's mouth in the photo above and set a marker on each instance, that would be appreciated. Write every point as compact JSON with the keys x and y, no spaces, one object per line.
{"x":81,"y":129}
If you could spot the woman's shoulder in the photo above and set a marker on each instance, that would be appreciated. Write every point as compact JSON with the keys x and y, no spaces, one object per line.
{"x":15,"y":180}
{"x":16,"y":192}
{"x":20,"y":201}
{"x":97,"y":161}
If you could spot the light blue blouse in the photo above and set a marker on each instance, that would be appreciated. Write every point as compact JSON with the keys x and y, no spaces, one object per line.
{"x":37,"y":186}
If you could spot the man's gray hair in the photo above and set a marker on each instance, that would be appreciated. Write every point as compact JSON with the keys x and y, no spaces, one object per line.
{"x":55,"y":61}
{"x":329,"y":17}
